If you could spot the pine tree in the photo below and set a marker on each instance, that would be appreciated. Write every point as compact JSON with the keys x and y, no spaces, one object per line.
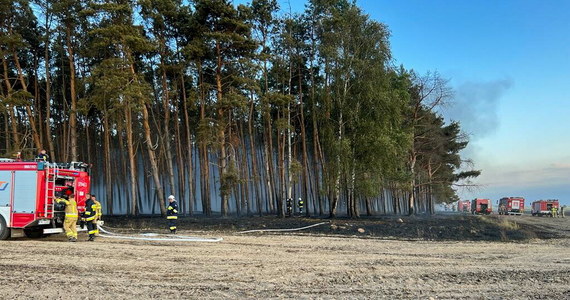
{"x":115,"y":77}
{"x":228,"y":35}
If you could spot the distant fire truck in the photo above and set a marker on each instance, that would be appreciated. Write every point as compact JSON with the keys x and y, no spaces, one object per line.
{"x":463,"y":206}
{"x":511,"y":206}
{"x":544,"y":207}
{"x":481,"y":206}
{"x":27,"y":193}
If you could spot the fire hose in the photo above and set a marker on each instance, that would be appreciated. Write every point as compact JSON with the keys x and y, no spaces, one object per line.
{"x":155,"y":237}
{"x":182,"y":238}
{"x":285,"y":229}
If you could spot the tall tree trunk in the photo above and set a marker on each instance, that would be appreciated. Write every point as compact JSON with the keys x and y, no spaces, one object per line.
{"x":149,"y":145}
{"x":7,"y":143}
{"x":269,"y":167}
{"x":31,"y":115}
{"x":336,"y":187}
{"x":281,"y":172}
{"x":189,"y":157}
{"x":38,"y":102}
{"x":253,"y":151}
{"x":289,"y":157}
{"x":107,"y":154}
{"x":269,"y":162}
{"x":13,"y":120}
{"x":132,"y":160}
{"x":224,"y":188}
{"x":411,"y":198}
{"x":287,"y":143}
{"x":73,"y":110}
{"x":305,"y":175}
{"x":368,"y":206}
{"x":205,"y":180}
{"x":166,"y":124}
{"x":152,"y":158}
{"x":180,"y":163}
{"x":351,"y":187}
{"x":316,"y":153}
{"x":48,"y":93}
{"x":203,"y":149}
{"x":245,"y":202}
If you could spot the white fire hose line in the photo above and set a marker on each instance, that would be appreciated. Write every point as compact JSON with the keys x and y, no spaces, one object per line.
{"x":279,"y":230}
{"x":156,"y":237}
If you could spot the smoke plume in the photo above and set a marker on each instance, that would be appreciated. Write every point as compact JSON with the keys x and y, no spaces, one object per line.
{"x":475,"y":106}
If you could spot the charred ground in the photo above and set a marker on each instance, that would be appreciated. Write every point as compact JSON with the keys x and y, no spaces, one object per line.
{"x":442,"y":227}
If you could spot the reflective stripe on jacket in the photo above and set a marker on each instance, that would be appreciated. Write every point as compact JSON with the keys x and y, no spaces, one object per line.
{"x":70,"y":207}
{"x":172,"y":210}
{"x":90,"y":210}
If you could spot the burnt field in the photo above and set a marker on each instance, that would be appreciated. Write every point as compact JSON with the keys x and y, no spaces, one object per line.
{"x":441,"y":257}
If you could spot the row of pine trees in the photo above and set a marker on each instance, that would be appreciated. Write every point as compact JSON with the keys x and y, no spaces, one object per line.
{"x":232,"y":108}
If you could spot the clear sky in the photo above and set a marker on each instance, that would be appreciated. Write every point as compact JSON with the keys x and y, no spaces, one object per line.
{"x":508,"y":62}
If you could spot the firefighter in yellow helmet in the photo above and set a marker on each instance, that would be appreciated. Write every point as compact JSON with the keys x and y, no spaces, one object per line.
{"x":71,"y":215}
{"x":172,"y":213}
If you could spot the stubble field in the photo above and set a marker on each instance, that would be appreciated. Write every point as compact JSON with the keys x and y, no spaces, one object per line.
{"x":529,"y":258}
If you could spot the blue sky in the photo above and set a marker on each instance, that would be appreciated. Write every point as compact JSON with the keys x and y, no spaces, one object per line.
{"x":508,"y":62}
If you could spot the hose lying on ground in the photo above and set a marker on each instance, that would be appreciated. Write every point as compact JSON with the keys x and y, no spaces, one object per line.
{"x":286,"y":229}
{"x":156,"y":237}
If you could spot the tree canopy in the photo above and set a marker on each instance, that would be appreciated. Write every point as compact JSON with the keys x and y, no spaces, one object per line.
{"x":232,"y":108}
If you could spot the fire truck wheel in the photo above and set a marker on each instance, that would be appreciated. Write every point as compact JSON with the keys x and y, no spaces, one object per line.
{"x":4,"y":230}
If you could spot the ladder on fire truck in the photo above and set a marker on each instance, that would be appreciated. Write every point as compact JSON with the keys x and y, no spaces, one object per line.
{"x":52,"y":171}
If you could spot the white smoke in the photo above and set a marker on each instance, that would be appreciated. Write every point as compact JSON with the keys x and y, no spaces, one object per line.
{"x":475,"y":106}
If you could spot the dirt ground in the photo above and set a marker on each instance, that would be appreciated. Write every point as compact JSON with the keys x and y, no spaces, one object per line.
{"x":442,"y":257}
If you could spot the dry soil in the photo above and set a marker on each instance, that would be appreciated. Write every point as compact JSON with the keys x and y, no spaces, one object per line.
{"x":442,"y":257}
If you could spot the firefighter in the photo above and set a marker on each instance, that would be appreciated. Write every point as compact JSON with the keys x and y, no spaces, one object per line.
{"x":98,"y":207}
{"x":172,"y":214}
{"x":553,"y":211}
{"x":89,"y":216}
{"x":70,"y":223}
{"x":98,"y":213}
{"x":42,"y":156}
{"x":301,"y":203}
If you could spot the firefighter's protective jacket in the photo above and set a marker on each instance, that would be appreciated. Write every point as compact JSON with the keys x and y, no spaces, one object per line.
{"x":172,"y":211}
{"x":70,"y":207}
{"x":98,"y":210}
{"x":90,"y":210}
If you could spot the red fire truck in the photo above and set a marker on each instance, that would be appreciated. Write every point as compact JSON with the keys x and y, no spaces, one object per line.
{"x":481,"y":206}
{"x":511,"y":206}
{"x":544,"y":207}
{"x":463,"y":206}
{"x":27,"y":193}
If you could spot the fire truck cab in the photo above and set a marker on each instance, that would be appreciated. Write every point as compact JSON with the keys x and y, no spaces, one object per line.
{"x":27,"y":194}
